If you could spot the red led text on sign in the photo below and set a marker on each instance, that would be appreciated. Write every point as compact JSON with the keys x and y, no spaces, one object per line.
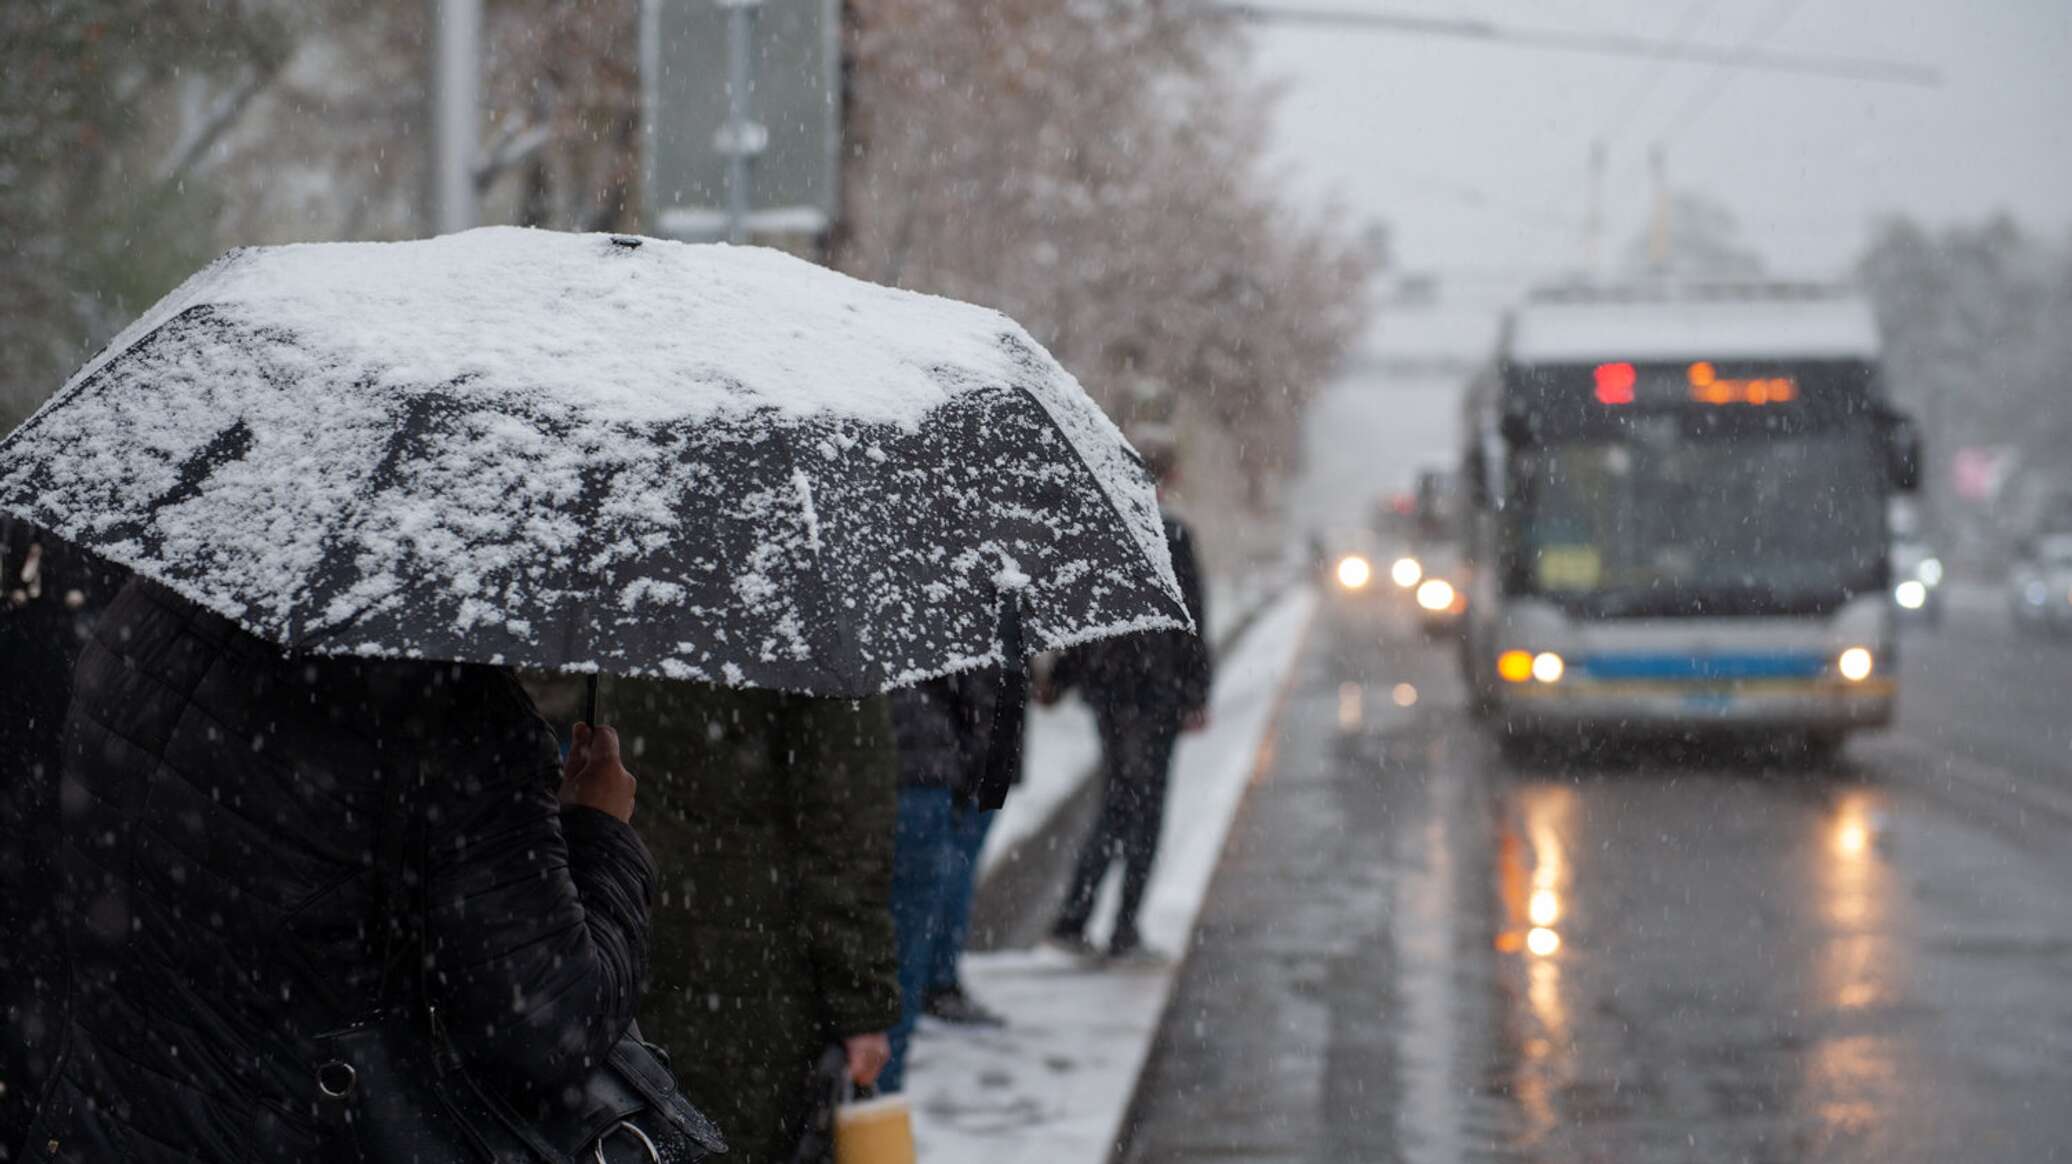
{"x":1615,"y":383}
{"x":1709,"y":387}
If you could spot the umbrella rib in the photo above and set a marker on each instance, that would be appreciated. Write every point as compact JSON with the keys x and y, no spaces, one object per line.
{"x":1121,"y":518}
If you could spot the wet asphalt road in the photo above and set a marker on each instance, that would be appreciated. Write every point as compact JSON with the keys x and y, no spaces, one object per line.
{"x":1416,"y":951}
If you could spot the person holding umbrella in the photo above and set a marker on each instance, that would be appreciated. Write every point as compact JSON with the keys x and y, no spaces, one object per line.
{"x":50,"y":595}
{"x":222,"y":801}
{"x":357,"y":483}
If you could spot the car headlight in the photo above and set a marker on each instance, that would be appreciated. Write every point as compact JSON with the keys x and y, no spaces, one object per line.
{"x":1435,"y":594}
{"x":1406,"y":572}
{"x":1911,"y":594}
{"x":1354,"y":572}
{"x":1547,"y":667}
{"x":1930,"y":571}
{"x":1855,"y":664}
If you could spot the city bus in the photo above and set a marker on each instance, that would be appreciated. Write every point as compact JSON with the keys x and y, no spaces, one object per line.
{"x":1676,"y":517}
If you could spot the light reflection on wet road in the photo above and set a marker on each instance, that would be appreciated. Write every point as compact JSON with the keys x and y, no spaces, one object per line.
{"x":1415,"y":951}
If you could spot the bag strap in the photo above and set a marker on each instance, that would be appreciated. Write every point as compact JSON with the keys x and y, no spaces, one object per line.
{"x":391,"y":850}
{"x":1003,"y":762}
{"x":400,"y":892}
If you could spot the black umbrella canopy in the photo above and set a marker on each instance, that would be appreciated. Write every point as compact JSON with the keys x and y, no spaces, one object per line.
{"x":598,"y":453}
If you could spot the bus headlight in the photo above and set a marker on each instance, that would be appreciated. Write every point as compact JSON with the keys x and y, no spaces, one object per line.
{"x":1354,"y":572}
{"x":1435,"y":594}
{"x":1406,"y":572}
{"x":1854,"y":664}
{"x":1547,"y":667}
{"x":1911,"y":594}
{"x":1514,"y":666}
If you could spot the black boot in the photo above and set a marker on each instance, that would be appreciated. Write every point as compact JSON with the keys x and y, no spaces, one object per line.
{"x":952,"y":1005}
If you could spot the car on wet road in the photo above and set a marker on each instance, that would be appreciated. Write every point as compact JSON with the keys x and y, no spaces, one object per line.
{"x":2040,"y":584}
{"x":1917,"y":582}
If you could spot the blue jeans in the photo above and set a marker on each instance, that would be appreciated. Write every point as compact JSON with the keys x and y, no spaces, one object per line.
{"x":922,"y":836}
{"x":968,"y":829}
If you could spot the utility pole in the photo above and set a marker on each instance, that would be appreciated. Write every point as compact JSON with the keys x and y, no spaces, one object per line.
{"x":1593,"y":222}
{"x":740,"y":139}
{"x":1659,"y":240}
{"x":456,"y":112}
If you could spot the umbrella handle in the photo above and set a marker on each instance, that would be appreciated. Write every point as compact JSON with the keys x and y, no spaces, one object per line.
{"x":590,"y":701}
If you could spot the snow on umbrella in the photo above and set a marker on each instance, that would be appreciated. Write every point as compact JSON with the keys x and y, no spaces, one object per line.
{"x":601,"y":453}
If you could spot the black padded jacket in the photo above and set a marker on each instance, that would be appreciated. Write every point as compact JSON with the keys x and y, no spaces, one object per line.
{"x":1163,"y":672}
{"x":944,"y":728}
{"x":221,"y":809}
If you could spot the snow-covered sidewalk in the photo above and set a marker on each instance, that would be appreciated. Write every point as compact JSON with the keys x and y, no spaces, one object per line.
{"x":1055,"y":1086}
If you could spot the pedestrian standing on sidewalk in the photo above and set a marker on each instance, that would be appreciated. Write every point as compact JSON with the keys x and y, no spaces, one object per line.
{"x":770,"y":818}
{"x":1145,"y":689}
{"x":944,"y":728}
{"x":945,"y":998}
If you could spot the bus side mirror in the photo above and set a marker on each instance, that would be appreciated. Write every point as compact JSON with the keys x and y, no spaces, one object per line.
{"x":1903,"y":453}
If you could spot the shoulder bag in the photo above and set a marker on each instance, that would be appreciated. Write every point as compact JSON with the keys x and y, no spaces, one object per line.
{"x":393,"y":1089}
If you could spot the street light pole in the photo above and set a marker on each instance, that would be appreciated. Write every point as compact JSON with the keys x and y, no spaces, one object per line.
{"x":456,"y":112}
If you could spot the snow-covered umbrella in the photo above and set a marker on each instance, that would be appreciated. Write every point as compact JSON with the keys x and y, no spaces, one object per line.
{"x":601,"y":453}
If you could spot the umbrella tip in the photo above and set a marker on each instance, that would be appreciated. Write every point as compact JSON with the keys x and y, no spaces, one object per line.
{"x":626,"y":240}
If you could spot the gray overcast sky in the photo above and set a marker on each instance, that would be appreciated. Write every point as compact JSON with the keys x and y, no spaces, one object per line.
{"x":1476,"y":154}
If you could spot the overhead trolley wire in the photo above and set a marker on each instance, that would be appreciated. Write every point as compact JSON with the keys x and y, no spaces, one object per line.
{"x":1748,"y":56}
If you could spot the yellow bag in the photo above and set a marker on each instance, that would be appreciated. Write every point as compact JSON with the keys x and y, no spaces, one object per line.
{"x":874,"y":1131}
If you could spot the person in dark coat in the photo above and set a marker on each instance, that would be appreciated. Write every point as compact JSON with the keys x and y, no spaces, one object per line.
{"x":944,"y":731}
{"x":50,"y":595}
{"x":221,"y":807}
{"x":770,"y":817}
{"x":1145,"y":689}
{"x":945,"y":997}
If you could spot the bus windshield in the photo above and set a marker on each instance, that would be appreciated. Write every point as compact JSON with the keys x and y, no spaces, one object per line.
{"x":1654,"y":520}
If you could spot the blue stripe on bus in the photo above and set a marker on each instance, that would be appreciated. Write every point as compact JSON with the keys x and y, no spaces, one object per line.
{"x":1703,"y":666}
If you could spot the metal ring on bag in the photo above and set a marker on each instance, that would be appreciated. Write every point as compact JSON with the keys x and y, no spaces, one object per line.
{"x":597,"y":1149}
{"x":337,"y":1079}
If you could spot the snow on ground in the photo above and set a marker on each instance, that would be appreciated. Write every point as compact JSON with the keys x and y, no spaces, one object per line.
{"x":1055,"y":1085}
